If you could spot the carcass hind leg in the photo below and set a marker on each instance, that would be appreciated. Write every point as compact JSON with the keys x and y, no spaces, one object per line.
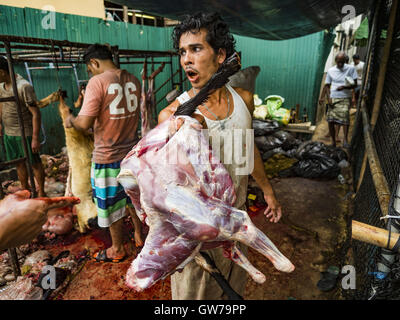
{"x":232,"y":252}
{"x":251,"y":236}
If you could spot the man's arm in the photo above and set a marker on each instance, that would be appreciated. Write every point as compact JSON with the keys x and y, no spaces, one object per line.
{"x":274,"y":210}
{"x":36,"y":122}
{"x":92,"y":100}
{"x":80,"y":123}
{"x":326,"y":94}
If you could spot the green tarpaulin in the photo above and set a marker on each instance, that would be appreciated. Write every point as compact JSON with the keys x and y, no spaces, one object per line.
{"x":361,"y":34}
{"x":264,"y":19}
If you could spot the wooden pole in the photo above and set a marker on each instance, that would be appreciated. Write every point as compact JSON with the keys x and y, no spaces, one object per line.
{"x":373,"y":235}
{"x":381,"y":81}
{"x":381,"y":185}
{"x":125,"y":13}
{"x":383,"y":65}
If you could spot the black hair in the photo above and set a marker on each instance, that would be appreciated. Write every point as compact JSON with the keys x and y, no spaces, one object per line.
{"x":97,"y":51}
{"x":218,"y":34}
{"x":356,"y":56}
{"x":3,"y":64}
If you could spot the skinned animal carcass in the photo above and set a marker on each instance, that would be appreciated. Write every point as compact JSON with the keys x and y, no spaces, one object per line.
{"x":148,"y":99}
{"x":185,"y":195}
{"x":80,"y":147}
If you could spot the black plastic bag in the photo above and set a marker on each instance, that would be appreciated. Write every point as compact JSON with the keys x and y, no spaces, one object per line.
{"x":287,"y":139}
{"x":279,"y":139}
{"x":311,"y":147}
{"x":337,"y":154}
{"x":262,"y":128}
{"x":316,"y":166}
{"x":267,"y":143}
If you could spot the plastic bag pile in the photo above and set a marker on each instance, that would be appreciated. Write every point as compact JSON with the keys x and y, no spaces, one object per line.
{"x":310,"y":159}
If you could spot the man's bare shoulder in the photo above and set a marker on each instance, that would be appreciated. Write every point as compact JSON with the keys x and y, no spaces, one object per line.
{"x":246,"y":95}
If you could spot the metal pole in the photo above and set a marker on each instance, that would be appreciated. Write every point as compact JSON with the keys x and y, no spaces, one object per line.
{"x":14,"y":262}
{"x":20,"y":118}
{"x":172,"y":72}
{"x":180,"y":77}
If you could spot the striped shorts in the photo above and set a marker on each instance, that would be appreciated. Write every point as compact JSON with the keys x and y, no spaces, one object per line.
{"x":108,"y":195}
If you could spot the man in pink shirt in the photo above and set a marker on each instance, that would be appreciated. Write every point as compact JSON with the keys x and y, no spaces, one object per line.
{"x":110,"y":107}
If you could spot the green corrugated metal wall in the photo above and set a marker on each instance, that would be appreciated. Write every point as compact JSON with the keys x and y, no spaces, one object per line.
{"x":27,"y":22}
{"x":290,"y":68}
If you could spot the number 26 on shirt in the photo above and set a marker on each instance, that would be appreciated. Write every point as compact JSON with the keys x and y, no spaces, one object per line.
{"x":131,"y":98}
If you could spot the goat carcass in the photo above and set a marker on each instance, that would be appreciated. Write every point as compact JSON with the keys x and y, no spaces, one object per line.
{"x":148,"y":100}
{"x":80,"y":148}
{"x":185,"y":195}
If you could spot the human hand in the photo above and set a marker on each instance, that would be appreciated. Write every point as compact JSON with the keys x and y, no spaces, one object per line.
{"x":21,"y":219}
{"x":274,"y":209}
{"x":174,"y":125}
{"x":35,"y":145}
{"x":68,"y":121}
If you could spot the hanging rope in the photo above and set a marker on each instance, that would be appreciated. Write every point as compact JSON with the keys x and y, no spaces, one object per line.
{"x":55,"y":63}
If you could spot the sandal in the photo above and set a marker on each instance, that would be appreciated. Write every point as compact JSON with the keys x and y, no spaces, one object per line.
{"x":101,"y":256}
{"x":328,"y":279}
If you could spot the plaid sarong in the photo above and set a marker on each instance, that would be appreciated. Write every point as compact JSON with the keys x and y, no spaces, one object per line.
{"x":339,"y":111}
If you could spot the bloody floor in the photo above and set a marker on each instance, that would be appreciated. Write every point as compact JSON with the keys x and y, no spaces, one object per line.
{"x":309,"y":235}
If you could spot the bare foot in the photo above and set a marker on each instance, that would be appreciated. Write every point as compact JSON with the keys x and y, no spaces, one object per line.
{"x":113,"y":253}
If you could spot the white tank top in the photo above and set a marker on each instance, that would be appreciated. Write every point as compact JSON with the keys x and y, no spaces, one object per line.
{"x":236,"y":124}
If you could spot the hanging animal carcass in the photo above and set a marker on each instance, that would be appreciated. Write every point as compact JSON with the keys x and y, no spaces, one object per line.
{"x":80,"y":148}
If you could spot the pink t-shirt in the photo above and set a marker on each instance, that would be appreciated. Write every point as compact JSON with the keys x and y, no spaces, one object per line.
{"x":113,"y":98}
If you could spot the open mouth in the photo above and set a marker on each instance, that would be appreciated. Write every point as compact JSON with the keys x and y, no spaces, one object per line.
{"x":193,"y":76}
